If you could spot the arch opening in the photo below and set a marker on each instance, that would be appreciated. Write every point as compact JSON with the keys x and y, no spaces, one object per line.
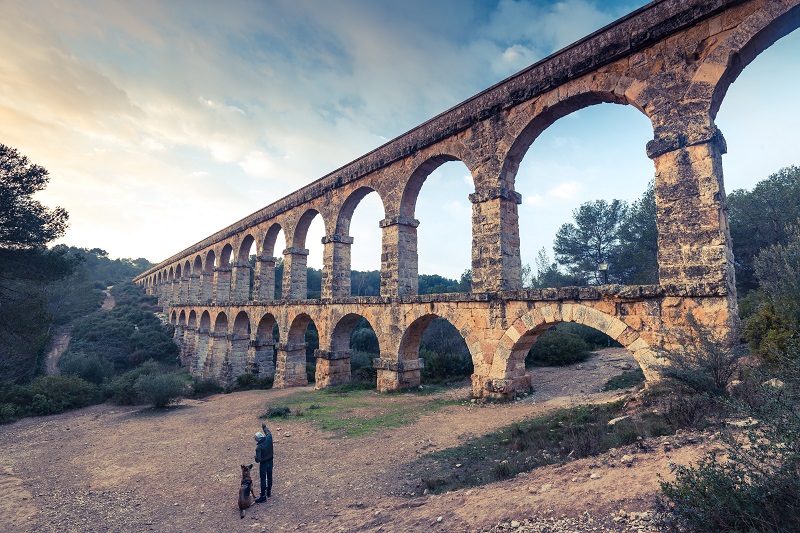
{"x":444,"y":352}
{"x":588,"y":212}
{"x":354,"y":258}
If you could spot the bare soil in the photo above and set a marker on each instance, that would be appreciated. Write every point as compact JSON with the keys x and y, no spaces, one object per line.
{"x":111,"y":468}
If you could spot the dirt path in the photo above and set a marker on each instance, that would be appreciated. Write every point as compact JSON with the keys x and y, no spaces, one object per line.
{"x":131,"y":469}
{"x":63,"y":334}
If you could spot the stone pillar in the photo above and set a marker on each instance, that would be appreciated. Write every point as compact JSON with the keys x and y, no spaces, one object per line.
{"x":336,"y":266}
{"x":218,"y":351}
{"x":207,"y":288}
{"x":295,"y":284}
{"x":333,"y":368}
{"x":496,"y":264}
{"x":177,"y":336}
{"x":161,"y":294}
{"x":694,"y":243}
{"x":501,"y":388}
{"x":290,"y":370}
{"x":396,"y":374}
{"x":241,"y":282}
{"x":201,"y":353}
{"x":194,"y":289}
{"x":240,"y":343}
{"x":260,"y":358}
{"x":222,"y":285}
{"x":399,"y":259}
{"x":188,"y":351}
{"x":264,"y":288}
{"x":183,"y":297}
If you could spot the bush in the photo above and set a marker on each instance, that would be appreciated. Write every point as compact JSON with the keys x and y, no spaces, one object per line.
{"x":90,"y":367}
{"x":206,"y":387}
{"x":251,"y":381}
{"x":55,"y":394}
{"x":626,"y":380}
{"x":555,"y":348}
{"x":278,"y":412}
{"x":594,"y":338}
{"x":121,"y":391}
{"x":448,"y":366}
{"x":160,"y":390}
{"x":702,"y":362}
{"x":361,"y":367}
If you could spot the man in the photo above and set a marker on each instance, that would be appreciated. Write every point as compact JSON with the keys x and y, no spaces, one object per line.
{"x":264,"y":460}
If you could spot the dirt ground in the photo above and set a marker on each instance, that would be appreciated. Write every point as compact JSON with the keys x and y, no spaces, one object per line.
{"x":111,"y":468}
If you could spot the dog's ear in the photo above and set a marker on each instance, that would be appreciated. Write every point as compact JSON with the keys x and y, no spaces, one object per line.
{"x":244,"y":467}
{"x":250,"y":467}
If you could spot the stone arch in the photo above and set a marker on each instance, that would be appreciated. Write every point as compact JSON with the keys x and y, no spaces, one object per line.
{"x":420,"y":319}
{"x":210,"y":263}
{"x":509,"y":358}
{"x":197,"y":266}
{"x":301,"y":228}
{"x":241,"y":324}
{"x":270,"y":238}
{"x":226,"y":255}
{"x":419,"y":175}
{"x":738,"y":49}
{"x":349,"y":206}
{"x":263,"y":354}
{"x":546,"y":114}
{"x":243,"y":255}
{"x":340,"y":337}
{"x":297,"y":328}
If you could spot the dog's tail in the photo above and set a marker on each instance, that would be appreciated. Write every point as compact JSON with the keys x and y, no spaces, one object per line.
{"x":241,"y":513}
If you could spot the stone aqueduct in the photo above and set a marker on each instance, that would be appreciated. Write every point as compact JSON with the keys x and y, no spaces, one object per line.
{"x":673,"y":60}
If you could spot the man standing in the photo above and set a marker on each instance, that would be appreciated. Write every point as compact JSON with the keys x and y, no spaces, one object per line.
{"x":264,"y":460}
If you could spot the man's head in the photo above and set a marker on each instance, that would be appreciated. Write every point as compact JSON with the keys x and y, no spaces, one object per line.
{"x":258,"y":436}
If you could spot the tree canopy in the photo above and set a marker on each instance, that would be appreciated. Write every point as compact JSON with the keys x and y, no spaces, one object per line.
{"x":24,"y":222}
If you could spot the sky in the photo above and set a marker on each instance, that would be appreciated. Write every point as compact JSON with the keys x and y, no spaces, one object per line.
{"x":163,"y":122}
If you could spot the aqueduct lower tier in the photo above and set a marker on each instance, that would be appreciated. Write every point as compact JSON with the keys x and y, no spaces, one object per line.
{"x":499,"y":328}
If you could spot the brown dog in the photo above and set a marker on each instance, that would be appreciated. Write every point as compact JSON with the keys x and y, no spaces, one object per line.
{"x":246,"y":494}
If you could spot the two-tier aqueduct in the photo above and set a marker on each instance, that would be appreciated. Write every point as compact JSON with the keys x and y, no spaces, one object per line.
{"x":673,"y":60}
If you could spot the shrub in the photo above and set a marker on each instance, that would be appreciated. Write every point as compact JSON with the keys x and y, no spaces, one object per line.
{"x":626,"y":380}
{"x":90,"y":367}
{"x":361,"y":367}
{"x":554,"y":348}
{"x":701,"y":361}
{"x":160,"y":390}
{"x":55,"y":394}
{"x":278,"y":412}
{"x":120,"y":390}
{"x":206,"y":387}
{"x":448,"y":366}
{"x":594,"y":338}
{"x":252,"y":381}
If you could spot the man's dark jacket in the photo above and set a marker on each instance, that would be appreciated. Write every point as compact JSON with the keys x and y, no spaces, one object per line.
{"x":264,"y":450}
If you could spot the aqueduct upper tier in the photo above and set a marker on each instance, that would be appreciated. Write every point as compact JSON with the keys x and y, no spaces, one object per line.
{"x":672,"y":60}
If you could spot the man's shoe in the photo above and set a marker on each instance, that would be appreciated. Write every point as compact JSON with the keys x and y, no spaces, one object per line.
{"x":261,"y":499}
{"x":269,"y":493}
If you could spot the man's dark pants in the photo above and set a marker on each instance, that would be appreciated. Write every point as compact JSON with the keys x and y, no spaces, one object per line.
{"x":265,"y":472}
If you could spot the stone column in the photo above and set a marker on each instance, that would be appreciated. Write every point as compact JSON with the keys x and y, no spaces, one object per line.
{"x":264,"y":288}
{"x":399,"y":260}
{"x":336,"y":266}
{"x":241,"y":282}
{"x":207,"y":288}
{"x":240,"y":343}
{"x":183,"y":298}
{"x":396,"y":374}
{"x":222,"y":285}
{"x":177,"y":336}
{"x":694,"y":243}
{"x":295,"y":284}
{"x":290,"y":370}
{"x":201,"y":354}
{"x":194,"y":289}
{"x":218,"y":350}
{"x":174,"y":293}
{"x":261,"y":358}
{"x":189,"y":347}
{"x":333,"y":368}
{"x":496,"y":264}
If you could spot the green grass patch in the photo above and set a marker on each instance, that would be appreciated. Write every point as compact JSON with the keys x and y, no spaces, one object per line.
{"x":557,"y":437}
{"x":352,"y":411}
{"x":626,"y":380}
